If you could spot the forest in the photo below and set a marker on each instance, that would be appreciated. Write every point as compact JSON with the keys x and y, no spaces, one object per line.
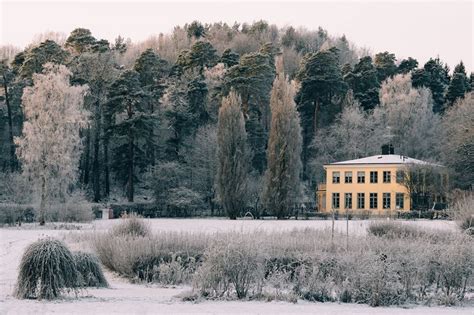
{"x":216,"y":118}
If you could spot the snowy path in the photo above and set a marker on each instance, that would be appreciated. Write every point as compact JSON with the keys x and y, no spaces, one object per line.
{"x":126,"y":298}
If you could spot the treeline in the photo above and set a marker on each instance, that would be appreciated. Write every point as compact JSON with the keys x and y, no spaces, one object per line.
{"x":163,"y":122}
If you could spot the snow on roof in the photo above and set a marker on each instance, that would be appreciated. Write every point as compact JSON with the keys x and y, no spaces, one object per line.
{"x":384,"y":159}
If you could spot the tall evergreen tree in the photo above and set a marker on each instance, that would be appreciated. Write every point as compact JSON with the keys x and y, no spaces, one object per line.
{"x":36,"y":57}
{"x":433,"y":76}
{"x":321,"y":93}
{"x":407,"y":65}
{"x":152,"y":70}
{"x":364,"y":83}
{"x":229,"y":58}
{"x":459,"y":85}
{"x":232,"y":156}
{"x":252,"y":79}
{"x":6,"y":80}
{"x":131,"y":127}
{"x":282,"y":177}
{"x":385,"y":65}
{"x":80,"y":40}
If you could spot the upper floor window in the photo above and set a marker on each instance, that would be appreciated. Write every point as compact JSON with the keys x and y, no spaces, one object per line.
{"x":386,"y":176}
{"x":400,"y":176}
{"x":348,"y":177}
{"x":373,"y":177}
{"x":361,"y":177}
{"x":336,"y":177}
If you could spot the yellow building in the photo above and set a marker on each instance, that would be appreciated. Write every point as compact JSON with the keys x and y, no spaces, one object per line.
{"x":370,"y":184}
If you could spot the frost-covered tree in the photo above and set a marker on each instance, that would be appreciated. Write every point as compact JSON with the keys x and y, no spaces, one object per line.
{"x":282,"y":177}
{"x":201,"y":163}
{"x":351,"y":136}
{"x":408,"y":112}
{"x":458,"y":141}
{"x":50,"y":146}
{"x":232,"y":156}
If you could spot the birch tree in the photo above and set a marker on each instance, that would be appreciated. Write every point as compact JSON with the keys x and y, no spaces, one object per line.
{"x":50,"y":145}
{"x":232,"y":156}
{"x":282,"y":177}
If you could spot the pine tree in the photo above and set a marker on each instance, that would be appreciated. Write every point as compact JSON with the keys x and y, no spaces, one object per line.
{"x":232,"y":156}
{"x":131,"y":127}
{"x":459,"y":84}
{"x":321,"y":93}
{"x":364,"y":83}
{"x":433,"y":76}
{"x":80,"y":40}
{"x":50,"y":145}
{"x":36,"y":57}
{"x":407,"y":65}
{"x":282,"y":178}
{"x":229,"y":58}
{"x":385,"y":65}
{"x":152,"y":70}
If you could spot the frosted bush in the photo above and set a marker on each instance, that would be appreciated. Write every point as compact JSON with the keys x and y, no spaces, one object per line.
{"x":47,"y":269}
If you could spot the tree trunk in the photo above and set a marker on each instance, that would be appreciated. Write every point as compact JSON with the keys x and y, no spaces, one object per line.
{"x":10,"y":126}
{"x":95,"y":163}
{"x":42,"y":208}
{"x":106,"y":167}
{"x":130,"y":158}
{"x":87,"y":156}
{"x":130,"y":167}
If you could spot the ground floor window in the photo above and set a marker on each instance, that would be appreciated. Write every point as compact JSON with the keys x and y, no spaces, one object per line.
{"x":348,"y":201}
{"x":399,"y":199}
{"x":386,"y":200}
{"x":373,"y":201}
{"x":360,"y":200}
{"x":335,"y":201}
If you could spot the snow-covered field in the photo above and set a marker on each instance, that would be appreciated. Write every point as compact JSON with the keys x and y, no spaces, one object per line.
{"x":126,"y":298}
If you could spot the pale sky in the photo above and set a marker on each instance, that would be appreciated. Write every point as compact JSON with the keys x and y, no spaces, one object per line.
{"x":420,"y":29}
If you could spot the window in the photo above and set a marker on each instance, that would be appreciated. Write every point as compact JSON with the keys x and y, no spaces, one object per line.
{"x":360,"y":200}
{"x":373,"y":177}
{"x":335,"y":200}
{"x":386,"y":176}
{"x":399,"y":200}
{"x":373,"y":201}
{"x":361,"y":177}
{"x":336,"y":178}
{"x":348,"y":201}
{"x":400,"y":176}
{"x":386,"y":200}
{"x":348,"y":177}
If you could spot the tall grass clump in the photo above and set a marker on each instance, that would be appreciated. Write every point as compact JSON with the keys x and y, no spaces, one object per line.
{"x":47,"y":269}
{"x":463,"y":214}
{"x":132,"y":225}
{"x":89,"y":270}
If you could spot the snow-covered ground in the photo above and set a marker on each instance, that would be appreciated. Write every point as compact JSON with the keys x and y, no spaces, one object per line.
{"x":126,"y":298}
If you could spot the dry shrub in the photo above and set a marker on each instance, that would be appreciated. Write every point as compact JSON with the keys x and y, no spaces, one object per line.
{"x":89,"y":270}
{"x":132,"y":225}
{"x":393,"y":230}
{"x":168,"y":258}
{"x":233,"y":263}
{"x":406,"y":268}
{"x":70,"y":212}
{"x":47,"y":269}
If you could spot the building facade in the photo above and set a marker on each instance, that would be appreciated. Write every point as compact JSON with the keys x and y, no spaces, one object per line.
{"x":373,"y":184}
